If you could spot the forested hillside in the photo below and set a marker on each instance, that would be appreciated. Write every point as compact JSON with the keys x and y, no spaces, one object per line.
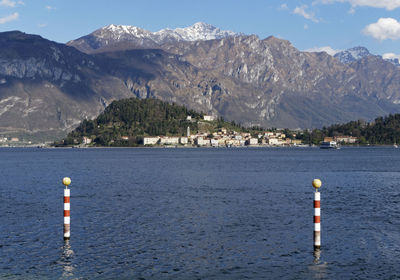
{"x":125,"y":122}
{"x":382,"y":131}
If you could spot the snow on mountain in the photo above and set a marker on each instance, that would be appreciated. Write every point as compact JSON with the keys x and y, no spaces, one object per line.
{"x":115,"y":34}
{"x":198,"y":31}
{"x":118,"y":32}
{"x":392,"y":58}
{"x":358,"y":53}
{"x":353,"y":54}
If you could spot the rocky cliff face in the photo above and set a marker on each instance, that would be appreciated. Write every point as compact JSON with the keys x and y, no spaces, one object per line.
{"x":296,"y":89}
{"x":46,"y":86}
{"x":261,"y":82}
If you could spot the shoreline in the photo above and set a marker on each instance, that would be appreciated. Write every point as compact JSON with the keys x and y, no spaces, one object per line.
{"x":193,"y":147}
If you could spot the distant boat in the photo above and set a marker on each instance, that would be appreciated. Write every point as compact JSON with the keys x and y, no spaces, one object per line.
{"x":395,"y":146}
{"x":329,"y":145}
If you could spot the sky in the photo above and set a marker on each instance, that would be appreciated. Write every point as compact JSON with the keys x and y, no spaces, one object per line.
{"x":330,"y":25}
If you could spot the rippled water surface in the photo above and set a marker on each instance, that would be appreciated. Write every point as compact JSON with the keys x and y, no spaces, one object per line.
{"x":199,"y":213}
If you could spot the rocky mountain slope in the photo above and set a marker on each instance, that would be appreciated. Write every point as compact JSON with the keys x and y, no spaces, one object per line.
{"x":47,"y":87}
{"x":263,"y":82}
{"x":297,"y":89}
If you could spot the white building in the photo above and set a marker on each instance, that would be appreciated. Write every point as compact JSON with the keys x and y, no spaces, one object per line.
{"x":183,"y":140}
{"x":346,"y":139}
{"x":209,"y":118}
{"x":276,"y":141}
{"x":252,"y":141}
{"x":169,"y":140}
{"x":86,"y":140}
{"x":214,"y":143}
{"x":200,"y":141}
{"x":150,"y":140}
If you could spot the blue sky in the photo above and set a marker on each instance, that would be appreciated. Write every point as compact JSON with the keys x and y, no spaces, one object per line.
{"x":310,"y":24}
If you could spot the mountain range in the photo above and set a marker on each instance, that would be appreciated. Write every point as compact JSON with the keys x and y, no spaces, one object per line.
{"x":112,"y":37}
{"x":47,"y":88}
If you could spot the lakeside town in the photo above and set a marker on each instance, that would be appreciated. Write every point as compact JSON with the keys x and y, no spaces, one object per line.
{"x":21,"y":142}
{"x":223,"y":138}
{"x":16,"y":141}
{"x":228,"y":138}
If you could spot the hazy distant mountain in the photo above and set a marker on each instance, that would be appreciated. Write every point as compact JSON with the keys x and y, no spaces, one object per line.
{"x":353,"y":54}
{"x":394,"y":61}
{"x":357,"y":53}
{"x":113,"y":36}
{"x":47,"y":87}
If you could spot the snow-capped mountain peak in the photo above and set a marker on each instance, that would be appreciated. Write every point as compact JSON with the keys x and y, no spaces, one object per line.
{"x":121,"y":31}
{"x":201,"y":31}
{"x":353,"y":54}
{"x":113,"y":34}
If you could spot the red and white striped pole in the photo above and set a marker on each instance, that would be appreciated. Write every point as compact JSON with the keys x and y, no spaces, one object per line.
{"x":317,"y":214}
{"x":67,"y":208}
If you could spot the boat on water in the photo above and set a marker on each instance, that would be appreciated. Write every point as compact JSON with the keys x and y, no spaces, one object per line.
{"x":329,"y":145}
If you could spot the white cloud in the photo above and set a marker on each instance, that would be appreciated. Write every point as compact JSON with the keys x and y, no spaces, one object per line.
{"x":7,"y":3}
{"x":302,"y":12}
{"x":42,"y":25}
{"x":384,"y":28}
{"x":50,"y":8}
{"x":305,"y":26}
{"x":391,"y":56}
{"x":326,"y":49}
{"x":284,"y":6}
{"x":9,"y":18}
{"x":386,"y":4}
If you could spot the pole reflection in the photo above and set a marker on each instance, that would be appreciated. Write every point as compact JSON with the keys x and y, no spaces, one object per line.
{"x":317,"y":256}
{"x":66,"y":260}
{"x":319,"y":268}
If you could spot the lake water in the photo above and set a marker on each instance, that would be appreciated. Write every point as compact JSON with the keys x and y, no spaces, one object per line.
{"x":200,"y":213}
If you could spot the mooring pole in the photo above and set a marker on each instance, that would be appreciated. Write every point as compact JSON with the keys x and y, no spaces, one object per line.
{"x":67,"y":208}
{"x":317,"y":214}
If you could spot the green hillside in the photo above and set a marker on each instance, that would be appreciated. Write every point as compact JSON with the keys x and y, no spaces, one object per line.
{"x":126,"y":122}
{"x":382,"y":131}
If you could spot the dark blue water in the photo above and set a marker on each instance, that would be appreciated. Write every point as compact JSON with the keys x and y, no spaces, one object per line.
{"x":199,"y":213}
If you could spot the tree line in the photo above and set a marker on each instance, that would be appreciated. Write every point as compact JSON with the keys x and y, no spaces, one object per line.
{"x":382,"y":131}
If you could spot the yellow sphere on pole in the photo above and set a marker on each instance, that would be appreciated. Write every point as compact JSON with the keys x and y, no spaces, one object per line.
{"x":66,"y":181}
{"x":316,"y":183}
